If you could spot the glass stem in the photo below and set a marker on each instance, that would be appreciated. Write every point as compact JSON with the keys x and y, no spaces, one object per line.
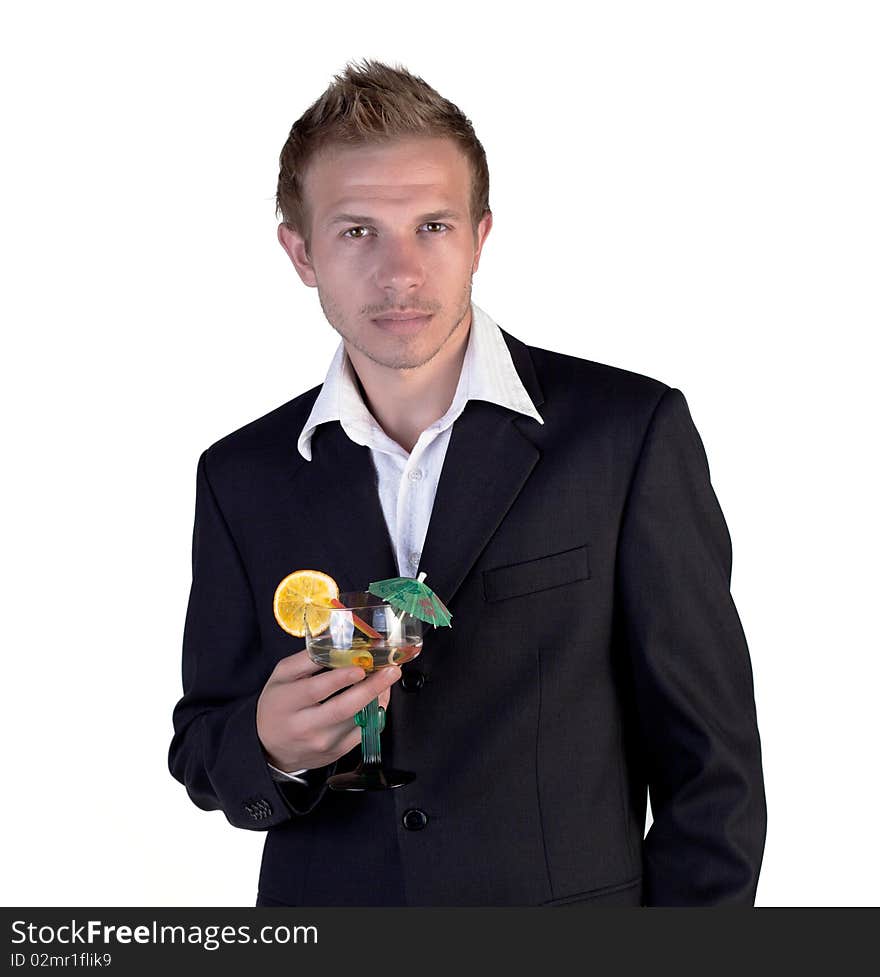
{"x":371,"y":720}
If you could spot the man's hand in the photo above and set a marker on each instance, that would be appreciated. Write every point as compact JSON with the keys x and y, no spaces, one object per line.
{"x":298,"y":728}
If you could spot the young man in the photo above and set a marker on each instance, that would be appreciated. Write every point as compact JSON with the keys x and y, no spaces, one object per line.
{"x":561,"y":508}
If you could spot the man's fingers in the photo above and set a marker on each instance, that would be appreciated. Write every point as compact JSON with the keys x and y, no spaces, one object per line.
{"x":317,"y":688}
{"x":321,"y":687}
{"x":349,"y":738}
{"x":295,"y":666}
{"x":341,"y":708}
{"x":347,"y":735}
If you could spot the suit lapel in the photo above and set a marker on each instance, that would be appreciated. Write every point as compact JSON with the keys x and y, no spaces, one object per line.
{"x":488,"y":461}
{"x":338,"y":489}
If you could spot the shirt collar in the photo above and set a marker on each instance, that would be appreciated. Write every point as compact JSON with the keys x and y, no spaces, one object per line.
{"x":487,"y":373}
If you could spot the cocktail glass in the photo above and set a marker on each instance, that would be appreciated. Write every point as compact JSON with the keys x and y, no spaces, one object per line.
{"x":369,"y":632}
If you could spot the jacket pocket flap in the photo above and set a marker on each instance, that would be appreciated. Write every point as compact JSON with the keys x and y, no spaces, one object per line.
{"x":539,"y":574}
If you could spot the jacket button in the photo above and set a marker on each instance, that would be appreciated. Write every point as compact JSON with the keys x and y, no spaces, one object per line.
{"x":412,"y":680}
{"x":414,"y":819}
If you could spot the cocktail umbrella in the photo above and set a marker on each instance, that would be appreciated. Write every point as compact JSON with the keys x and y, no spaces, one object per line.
{"x":413,"y":596}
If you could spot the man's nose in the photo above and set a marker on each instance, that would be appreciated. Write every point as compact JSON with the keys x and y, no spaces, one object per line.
{"x":400,"y":266}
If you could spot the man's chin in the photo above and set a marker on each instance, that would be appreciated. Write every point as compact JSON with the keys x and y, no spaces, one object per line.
{"x":402,"y":362}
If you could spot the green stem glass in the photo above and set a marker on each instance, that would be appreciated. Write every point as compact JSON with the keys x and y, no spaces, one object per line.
{"x":363,"y":629}
{"x":369,"y":773}
{"x":371,"y":720}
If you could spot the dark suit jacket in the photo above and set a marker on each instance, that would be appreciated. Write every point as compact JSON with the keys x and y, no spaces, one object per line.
{"x":595,"y":652}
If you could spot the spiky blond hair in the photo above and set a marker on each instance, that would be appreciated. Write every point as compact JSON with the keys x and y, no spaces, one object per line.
{"x":367,"y":104}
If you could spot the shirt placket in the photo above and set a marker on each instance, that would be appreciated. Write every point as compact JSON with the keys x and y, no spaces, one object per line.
{"x":411,"y":506}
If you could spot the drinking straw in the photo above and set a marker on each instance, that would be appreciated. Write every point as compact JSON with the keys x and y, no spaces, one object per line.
{"x":358,"y":622}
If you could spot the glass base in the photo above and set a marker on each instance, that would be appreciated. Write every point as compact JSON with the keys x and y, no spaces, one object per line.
{"x":370,"y":778}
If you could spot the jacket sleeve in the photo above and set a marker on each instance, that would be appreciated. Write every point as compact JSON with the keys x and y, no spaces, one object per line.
{"x":691,"y":675}
{"x":215,"y":751}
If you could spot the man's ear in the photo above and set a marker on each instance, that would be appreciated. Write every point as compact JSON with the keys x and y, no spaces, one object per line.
{"x":295,"y":245}
{"x":483,"y":229}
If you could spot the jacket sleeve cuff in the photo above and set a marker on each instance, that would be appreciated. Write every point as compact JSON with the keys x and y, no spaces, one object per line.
{"x":241,"y":778}
{"x":301,"y":798}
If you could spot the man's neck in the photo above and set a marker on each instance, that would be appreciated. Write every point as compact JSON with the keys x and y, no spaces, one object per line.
{"x":405,"y":402}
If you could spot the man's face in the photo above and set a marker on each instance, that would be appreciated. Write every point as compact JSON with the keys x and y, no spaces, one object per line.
{"x":390,"y":233}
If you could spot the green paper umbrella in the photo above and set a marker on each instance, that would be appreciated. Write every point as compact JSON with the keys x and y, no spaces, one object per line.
{"x":414,"y":597}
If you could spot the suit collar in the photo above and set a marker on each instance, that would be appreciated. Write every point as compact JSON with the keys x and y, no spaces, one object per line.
{"x":489,"y":459}
{"x":524,"y":366}
{"x":489,"y":372}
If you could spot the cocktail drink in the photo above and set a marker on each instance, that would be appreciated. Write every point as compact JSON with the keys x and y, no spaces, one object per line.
{"x":362,"y":629}
{"x":376,"y":628}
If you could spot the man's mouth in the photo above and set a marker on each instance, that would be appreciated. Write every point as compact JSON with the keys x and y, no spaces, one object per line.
{"x":402,"y":323}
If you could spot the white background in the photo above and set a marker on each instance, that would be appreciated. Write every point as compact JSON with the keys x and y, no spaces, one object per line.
{"x":686,"y":190}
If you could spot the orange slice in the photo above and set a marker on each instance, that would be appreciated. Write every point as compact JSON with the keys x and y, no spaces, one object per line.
{"x":305,"y":595}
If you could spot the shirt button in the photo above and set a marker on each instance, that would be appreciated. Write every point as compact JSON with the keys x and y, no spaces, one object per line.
{"x":415,"y":474}
{"x":414,"y":559}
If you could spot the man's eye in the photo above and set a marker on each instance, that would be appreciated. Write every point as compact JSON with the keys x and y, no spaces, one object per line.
{"x":353,"y":235}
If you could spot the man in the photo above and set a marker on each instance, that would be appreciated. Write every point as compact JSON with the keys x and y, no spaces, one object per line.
{"x":561,"y":508}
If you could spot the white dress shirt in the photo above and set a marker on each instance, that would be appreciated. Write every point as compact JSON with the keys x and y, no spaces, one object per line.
{"x":408,"y":481}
